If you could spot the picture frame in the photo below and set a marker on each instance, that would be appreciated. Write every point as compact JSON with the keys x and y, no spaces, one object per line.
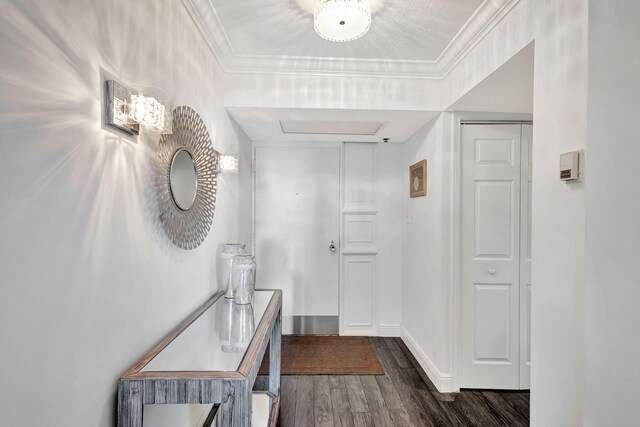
{"x":418,"y":179}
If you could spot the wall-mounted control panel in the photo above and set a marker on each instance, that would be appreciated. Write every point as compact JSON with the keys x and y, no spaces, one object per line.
{"x":571,"y":166}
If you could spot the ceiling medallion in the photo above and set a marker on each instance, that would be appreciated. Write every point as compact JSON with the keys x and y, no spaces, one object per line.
{"x":341,"y":20}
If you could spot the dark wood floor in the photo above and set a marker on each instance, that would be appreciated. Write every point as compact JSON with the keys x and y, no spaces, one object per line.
{"x":404,"y":396}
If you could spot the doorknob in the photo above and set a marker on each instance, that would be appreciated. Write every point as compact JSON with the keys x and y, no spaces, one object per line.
{"x":332,"y":246}
{"x":492,"y":271}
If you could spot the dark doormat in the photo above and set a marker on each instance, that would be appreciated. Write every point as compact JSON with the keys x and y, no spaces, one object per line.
{"x":326,"y":355}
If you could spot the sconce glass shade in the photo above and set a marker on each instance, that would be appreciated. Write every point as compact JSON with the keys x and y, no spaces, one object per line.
{"x":229,"y":163}
{"x":132,"y":112}
{"x":151,"y":114}
{"x":120,"y":112}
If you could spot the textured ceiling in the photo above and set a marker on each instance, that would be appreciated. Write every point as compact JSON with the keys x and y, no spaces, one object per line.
{"x":414,"y":30}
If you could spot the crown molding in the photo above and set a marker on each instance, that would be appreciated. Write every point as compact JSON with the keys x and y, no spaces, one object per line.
{"x":487,"y":16}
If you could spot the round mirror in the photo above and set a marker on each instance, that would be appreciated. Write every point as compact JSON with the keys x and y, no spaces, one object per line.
{"x":183,"y":179}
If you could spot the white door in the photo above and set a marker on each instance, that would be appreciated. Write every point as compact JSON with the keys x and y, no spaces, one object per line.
{"x":359,"y":301}
{"x":297,"y":216}
{"x":490,"y":354}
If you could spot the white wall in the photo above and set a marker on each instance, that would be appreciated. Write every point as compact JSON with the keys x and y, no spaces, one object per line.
{"x":511,"y":35}
{"x":426,"y":288}
{"x":89,"y":281}
{"x":558,"y":227}
{"x":367,"y":93}
{"x":508,"y":89}
{"x":612,"y":290}
{"x":559,"y":30}
{"x":389,"y":183}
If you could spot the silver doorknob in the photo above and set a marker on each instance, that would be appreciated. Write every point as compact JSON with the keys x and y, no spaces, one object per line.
{"x":332,"y":246}
{"x":492,"y":271}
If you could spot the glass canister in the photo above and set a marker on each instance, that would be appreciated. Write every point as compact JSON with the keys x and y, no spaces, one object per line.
{"x":236,"y":327}
{"x":229,"y":250}
{"x":243,"y":278}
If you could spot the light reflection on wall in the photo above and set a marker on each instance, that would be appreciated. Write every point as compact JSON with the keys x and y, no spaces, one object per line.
{"x":90,"y":281}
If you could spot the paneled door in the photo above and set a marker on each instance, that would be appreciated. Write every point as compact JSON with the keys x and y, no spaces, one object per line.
{"x":297,"y":219}
{"x":358,"y":292}
{"x":495,"y":289}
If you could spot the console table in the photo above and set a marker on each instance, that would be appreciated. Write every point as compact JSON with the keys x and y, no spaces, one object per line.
{"x":212,"y":357}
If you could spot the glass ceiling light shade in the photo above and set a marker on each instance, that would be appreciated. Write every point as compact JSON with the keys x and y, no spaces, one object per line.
{"x":341,"y":20}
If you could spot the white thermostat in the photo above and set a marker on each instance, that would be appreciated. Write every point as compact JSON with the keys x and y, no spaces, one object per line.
{"x":571,"y":166}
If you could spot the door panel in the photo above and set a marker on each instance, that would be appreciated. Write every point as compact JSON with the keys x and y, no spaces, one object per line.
{"x":490,"y":294}
{"x":492,"y":322}
{"x":494,"y":151}
{"x":297,"y":196}
{"x":360,"y":176}
{"x":493,"y":219}
{"x":359,"y":272}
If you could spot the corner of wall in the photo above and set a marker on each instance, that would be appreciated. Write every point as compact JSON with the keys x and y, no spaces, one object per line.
{"x":427,"y":297}
{"x":442,"y":381}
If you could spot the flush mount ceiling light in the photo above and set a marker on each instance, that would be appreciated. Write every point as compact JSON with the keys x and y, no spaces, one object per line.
{"x":341,"y":20}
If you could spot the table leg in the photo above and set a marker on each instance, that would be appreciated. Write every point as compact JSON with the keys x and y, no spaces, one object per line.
{"x":275,"y":353}
{"x":236,"y":410}
{"x":130,"y":404}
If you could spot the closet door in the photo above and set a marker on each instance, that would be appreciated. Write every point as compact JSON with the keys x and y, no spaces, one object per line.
{"x":490,"y":289}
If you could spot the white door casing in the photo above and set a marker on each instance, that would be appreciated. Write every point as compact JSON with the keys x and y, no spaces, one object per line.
{"x":490,"y":294}
{"x":297,"y":215}
{"x":525,"y":255}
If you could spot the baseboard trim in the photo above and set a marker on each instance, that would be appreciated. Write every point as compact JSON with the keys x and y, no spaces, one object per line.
{"x":390,"y":330}
{"x":353,"y":332}
{"x":442,"y":381}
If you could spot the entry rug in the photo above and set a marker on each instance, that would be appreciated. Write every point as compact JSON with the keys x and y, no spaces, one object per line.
{"x":326,"y":355}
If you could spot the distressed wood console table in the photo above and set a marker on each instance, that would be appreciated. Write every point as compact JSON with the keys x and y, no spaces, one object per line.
{"x":212,"y":357}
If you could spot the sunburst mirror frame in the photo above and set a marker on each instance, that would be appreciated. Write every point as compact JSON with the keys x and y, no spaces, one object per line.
{"x":187,"y":229}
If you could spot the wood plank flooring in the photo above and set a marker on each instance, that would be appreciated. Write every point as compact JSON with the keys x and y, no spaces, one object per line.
{"x":403,"y":396}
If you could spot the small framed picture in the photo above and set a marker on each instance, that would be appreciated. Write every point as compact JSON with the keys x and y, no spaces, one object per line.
{"x":418,"y":179}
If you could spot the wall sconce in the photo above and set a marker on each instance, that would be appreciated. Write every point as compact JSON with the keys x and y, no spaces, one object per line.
{"x":228,"y":163}
{"x":134,"y":112}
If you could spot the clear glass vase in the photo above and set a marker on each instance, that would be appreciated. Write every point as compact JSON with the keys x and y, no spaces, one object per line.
{"x":243,"y":278}
{"x":229,"y":250}
{"x":237,"y":325}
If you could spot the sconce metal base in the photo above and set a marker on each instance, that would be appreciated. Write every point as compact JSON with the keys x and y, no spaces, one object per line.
{"x":117,"y":96}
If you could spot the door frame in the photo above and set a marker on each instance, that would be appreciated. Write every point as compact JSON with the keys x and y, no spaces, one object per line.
{"x":460,"y":117}
{"x":310,"y":144}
